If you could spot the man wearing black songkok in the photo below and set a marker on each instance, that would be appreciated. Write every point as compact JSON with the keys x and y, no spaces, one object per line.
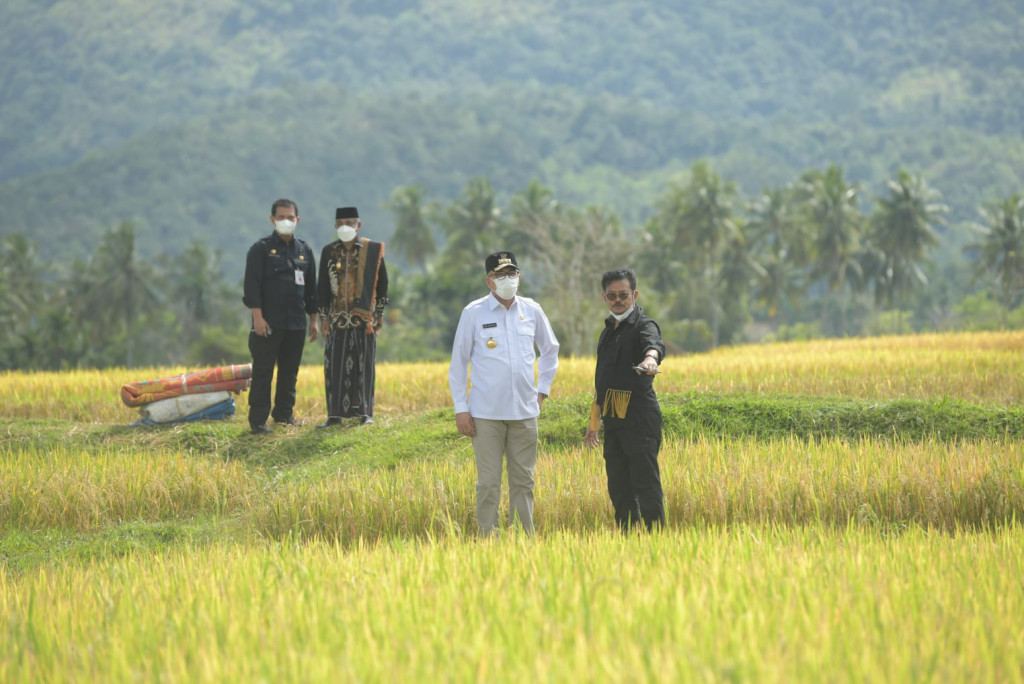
{"x":353,"y":291}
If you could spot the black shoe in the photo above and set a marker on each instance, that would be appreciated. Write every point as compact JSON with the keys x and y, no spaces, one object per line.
{"x":366,"y":420}
{"x":260,"y":430}
{"x":330,"y":422}
{"x":289,"y":421}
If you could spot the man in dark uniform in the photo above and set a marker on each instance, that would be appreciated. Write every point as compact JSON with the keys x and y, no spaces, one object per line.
{"x":628,"y":354}
{"x":353,"y":291}
{"x":280,"y":289}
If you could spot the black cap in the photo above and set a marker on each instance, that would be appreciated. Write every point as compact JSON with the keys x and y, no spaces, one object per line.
{"x":500,"y":260}
{"x":345,"y":213}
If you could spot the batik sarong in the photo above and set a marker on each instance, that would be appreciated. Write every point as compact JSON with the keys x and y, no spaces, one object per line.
{"x":349,"y":372}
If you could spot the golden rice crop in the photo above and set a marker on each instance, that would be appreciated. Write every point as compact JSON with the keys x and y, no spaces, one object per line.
{"x":78,"y":490}
{"x":743,"y":603}
{"x":707,"y":482}
{"x":977,"y":367}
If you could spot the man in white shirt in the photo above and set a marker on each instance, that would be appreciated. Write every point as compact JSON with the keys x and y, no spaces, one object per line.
{"x":496,"y":337}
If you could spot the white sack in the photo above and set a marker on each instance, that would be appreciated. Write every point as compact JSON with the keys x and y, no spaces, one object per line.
{"x":175,"y":408}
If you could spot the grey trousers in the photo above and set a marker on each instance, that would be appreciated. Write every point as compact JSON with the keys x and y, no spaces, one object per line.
{"x":517,"y":440}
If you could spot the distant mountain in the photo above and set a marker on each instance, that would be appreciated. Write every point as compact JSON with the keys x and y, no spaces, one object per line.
{"x":192,"y":117}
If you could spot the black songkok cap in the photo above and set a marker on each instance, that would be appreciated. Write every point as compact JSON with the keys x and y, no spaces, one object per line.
{"x":346,"y":212}
{"x":500,"y":260}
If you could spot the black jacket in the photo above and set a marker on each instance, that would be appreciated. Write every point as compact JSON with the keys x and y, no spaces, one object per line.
{"x":270,"y":281}
{"x":618,"y":350}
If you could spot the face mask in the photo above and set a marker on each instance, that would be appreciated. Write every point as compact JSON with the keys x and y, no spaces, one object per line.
{"x":506,"y":288}
{"x":622,"y":316}
{"x":284,"y":227}
{"x":346,"y":233}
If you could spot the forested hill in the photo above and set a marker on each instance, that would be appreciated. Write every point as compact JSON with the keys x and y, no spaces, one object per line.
{"x":192,"y":117}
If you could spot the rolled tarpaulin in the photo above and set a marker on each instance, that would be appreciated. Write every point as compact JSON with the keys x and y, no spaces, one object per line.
{"x":222,"y":378}
{"x":176,"y":408}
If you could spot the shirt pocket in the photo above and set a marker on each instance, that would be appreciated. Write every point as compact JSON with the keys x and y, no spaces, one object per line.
{"x":280,"y":267}
{"x":488,"y":342}
{"x":526,"y":330}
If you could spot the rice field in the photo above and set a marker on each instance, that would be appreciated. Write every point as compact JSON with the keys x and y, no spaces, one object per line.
{"x":746,"y":603}
{"x":977,"y":367}
{"x":327,"y":557}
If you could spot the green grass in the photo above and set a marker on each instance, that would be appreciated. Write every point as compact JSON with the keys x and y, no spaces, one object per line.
{"x":23,"y":550}
{"x":768,"y":416}
{"x":432,"y":434}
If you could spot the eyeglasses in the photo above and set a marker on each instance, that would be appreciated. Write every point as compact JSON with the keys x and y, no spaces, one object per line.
{"x":616,"y":296}
{"x":508,"y":273}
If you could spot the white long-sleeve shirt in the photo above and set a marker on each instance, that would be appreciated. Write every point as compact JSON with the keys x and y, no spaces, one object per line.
{"x":499,"y":345}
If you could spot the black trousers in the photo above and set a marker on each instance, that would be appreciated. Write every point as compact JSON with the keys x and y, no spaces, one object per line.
{"x":282,"y":348}
{"x":634,"y":479}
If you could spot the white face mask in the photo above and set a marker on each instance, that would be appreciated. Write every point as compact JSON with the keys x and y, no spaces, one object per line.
{"x":284,"y":227}
{"x":622,"y":316}
{"x":346,"y":233}
{"x":506,"y":288}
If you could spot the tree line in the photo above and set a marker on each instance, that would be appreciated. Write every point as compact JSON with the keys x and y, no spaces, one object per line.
{"x":816,"y":257}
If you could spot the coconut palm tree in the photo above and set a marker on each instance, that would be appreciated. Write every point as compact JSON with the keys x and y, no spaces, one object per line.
{"x":830,"y":210}
{"x":412,"y":238}
{"x":740,"y":269}
{"x":120,"y":288}
{"x":20,"y":281}
{"x":1001,"y":249}
{"x":697,"y":219}
{"x":530,"y":209}
{"x":473,"y":227}
{"x":473,"y":224}
{"x":196,"y":291}
{"x":901,"y":230}
{"x":779,"y":244}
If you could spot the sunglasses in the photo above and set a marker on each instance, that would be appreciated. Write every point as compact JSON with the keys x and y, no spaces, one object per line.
{"x":617,"y":296}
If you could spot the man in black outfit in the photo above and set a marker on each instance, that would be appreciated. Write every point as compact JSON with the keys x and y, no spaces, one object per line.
{"x":280,"y":289}
{"x":628,"y":354}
